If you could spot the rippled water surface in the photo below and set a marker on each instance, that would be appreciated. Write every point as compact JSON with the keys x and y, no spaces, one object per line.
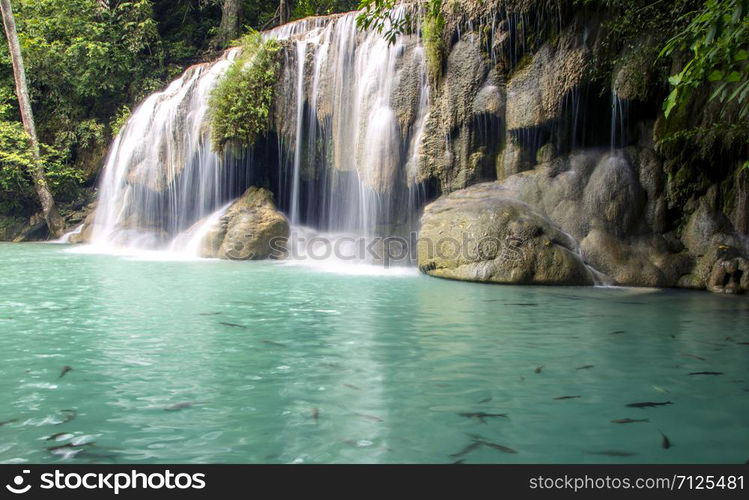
{"x":211,"y":361}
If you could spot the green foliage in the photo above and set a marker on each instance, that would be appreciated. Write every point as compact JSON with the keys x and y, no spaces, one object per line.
{"x":241,"y":101}
{"x":379,"y":15}
{"x":305,"y":8}
{"x":119,"y":119}
{"x":433,"y":38}
{"x":718,"y":40}
{"x":16,"y":160}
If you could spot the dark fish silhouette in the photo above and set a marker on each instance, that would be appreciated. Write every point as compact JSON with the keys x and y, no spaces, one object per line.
{"x":68,"y":415}
{"x":372,"y":418}
{"x":315,"y":414}
{"x":522,"y":304}
{"x":484,"y":442}
{"x":629,"y":420}
{"x":65,"y":369}
{"x":539,"y":368}
{"x":706,"y":373}
{"x":277,"y":344}
{"x":352,"y":386}
{"x":69,"y":446}
{"x":6,"y":422}
{"x":567,"y":397}
{"x":209,"y":314}
{"x":57,"y":435}
{"x":743,"y":343}
{"x":613,"y":453}
{"x":693,"y":356}
{"x":648,"y":404}
{"x":468,"y":449}
{"x":617,"y":332}
{"x":666,"y":444}
{"x":498,"y":447}
{"x":180,"y":406}
{"x":485,"y":400}
{"x":584,"y":367}
{"x":233,"y":325}
{"x":481,"y":416}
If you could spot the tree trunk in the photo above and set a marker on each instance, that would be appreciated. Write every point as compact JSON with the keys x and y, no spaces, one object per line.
{"x":231,"y":17}
{"x":283,"y":11}
{"x":51,"y":216}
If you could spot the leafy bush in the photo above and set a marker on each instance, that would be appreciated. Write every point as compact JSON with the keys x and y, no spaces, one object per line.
{"x":718,"y":38}
{"x":16,"y":160}
{"x":379,"y":15}
{"x":240,"y":103}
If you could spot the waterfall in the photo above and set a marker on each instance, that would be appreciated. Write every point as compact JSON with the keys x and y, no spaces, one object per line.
{"x":160,"y":175}
{"x":349,"y":111}
{"x":359,"y":111}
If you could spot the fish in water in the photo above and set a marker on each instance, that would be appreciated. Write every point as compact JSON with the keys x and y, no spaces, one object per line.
{"x":617,"y":332}
{"x":666,"y":444}
{"x":69,"y":446}
{"x":6,"y":422}
{"x":648,"y":404}
{"x":68,"y":415}
{"x":613,"y":453}
{"x":629,"y":420}
{"x":209,"y":314}
{"x":567,"y":397}
{"x":585,"y":367}
{"x":693,"y":356}
{"x":484,"y":442}
{"x":498,"y":447}
{"x":270,"y":342}
{"x":180,"y":406}
{"x":59,"y":436}
{"x":539,"y":368}
{"x":65,"y":369}
{"x":706,"y":373}
{"x":315,"y":414}
{"x":233,"y":325}
{"x":481,"y":416}
{"x":468,"y":449}
{"x":660,"y":389}
{"x":351,"y":386}
{"x":522,"y":304}
{"x":485,"y":400}
{"x":370,"y":417}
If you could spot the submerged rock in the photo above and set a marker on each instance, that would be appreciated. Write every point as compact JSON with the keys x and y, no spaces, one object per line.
{"x":251,"y":229}
{"x":482,"y":234}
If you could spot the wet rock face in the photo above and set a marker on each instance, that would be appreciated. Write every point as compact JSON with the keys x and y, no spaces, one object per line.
{"x":482,"y":234}
{"x":251,"y":229}
{"x":611,"y":203}
{"x":729,"y":275}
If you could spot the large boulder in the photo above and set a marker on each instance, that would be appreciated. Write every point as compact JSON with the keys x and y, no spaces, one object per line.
{"x":482,"y":234}
{"x":251,"y":229}
{"x":85,"y":232}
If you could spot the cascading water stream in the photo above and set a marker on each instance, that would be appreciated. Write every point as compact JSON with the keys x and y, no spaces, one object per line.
{"x":355,"y":144}
{"x":350,"y":111}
